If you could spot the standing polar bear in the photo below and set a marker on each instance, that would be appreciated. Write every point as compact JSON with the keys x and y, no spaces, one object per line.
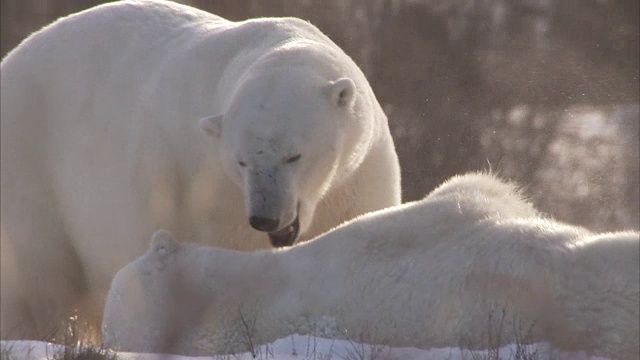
{"x":101,"y":145}
{"x":424,"y":274}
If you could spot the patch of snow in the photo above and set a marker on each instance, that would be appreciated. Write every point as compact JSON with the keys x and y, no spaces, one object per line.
{"x":301,"y":347}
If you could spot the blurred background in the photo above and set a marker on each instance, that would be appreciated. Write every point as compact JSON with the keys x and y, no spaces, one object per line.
{"x":543,"y":92}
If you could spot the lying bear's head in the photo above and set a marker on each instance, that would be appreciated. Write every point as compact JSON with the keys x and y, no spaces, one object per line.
{"x":176,"y":298}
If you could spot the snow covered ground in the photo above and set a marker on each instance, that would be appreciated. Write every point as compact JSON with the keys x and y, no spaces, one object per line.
{"x":298,"y":347}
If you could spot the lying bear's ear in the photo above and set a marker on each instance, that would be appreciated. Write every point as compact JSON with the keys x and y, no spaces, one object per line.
{"x":342,"y":92}
{"x":163,"y":243}
{"x":211,"y":125}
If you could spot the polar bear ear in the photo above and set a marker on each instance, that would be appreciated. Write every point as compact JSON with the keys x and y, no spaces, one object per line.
{"x":163,"y":243}
{"x":342,"y":92}
{"x":211,"y":125}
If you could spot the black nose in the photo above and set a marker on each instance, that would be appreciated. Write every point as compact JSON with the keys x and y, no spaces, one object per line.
{"x":263,"y":224}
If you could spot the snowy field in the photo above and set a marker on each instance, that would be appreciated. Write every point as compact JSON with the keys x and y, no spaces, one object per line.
{"x":298,"y":347}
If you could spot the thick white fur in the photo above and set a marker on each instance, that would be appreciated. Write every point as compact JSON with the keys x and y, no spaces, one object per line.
{"x":102,"y":144}
{"x":471,"y":256}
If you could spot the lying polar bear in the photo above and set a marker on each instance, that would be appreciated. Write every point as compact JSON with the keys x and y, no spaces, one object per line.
{"x":426,"y":274}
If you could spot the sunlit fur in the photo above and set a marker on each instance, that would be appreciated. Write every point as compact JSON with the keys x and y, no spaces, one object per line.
{"x":101,"y":146}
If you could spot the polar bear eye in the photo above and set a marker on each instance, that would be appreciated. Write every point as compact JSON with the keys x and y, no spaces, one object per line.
{"x":293,"y":159}
{"x":242,"y":163}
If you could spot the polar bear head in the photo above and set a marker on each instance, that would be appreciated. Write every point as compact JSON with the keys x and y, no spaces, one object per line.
{"x":156,"y":299}
{"x":140,"y":307}
{"x":292,"y":130}
{"x":177,"y":298}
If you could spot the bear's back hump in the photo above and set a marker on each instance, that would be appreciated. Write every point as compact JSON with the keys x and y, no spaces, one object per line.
{"x":113,"y":28}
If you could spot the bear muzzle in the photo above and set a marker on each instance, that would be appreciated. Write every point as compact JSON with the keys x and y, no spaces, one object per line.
{"x":279,"y":238}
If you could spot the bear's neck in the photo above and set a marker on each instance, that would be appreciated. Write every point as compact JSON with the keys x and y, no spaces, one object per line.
{"x":301,"y":289}
{"x":258,"y":288}
{"x":279,"y":292}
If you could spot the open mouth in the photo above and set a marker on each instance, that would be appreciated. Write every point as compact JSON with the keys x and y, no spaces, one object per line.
{"x":285,"y":236}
